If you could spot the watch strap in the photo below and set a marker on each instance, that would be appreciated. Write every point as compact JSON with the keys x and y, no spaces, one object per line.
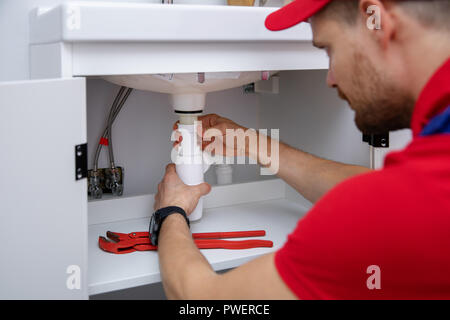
{"x":158,"y":218}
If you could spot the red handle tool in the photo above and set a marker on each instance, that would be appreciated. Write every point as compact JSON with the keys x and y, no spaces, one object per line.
{"x":140,"y":241}
{"x":204,"y":235}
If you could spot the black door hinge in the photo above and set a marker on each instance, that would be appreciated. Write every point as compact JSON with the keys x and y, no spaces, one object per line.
{"x":377,"y":140}
{"x":81,"y":161}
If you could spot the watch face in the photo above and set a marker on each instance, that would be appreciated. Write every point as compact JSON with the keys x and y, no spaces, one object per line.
{"x":152,"y":229}
{"x":155,"y":223}
{"x":152,"y":223}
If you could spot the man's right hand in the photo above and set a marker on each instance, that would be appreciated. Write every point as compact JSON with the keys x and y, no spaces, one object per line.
{"x":214,"y":130}
{"x":309,"y":175}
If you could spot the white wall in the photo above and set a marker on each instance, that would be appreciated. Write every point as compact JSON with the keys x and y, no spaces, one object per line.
{"x":312,"y":117}
{"x":14,"y":64}
{"x":14,"y":36}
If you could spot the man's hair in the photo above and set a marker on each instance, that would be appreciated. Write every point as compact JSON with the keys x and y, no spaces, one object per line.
{"x":430,"y":13}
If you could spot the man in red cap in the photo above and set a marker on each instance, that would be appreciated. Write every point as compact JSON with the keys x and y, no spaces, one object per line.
{"x":349,"y":246}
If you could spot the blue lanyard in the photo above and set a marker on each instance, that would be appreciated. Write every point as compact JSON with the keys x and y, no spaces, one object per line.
{"x":438,"y":124}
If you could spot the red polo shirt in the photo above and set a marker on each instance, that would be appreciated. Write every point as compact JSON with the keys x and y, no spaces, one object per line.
{"x":384,"y":234}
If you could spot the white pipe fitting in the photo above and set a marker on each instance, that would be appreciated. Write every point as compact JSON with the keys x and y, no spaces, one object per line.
{"x":188,"y":101}
{"x":190,"y":165}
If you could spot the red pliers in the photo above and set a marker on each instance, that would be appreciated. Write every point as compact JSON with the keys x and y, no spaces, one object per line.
{"x":140,"y":241}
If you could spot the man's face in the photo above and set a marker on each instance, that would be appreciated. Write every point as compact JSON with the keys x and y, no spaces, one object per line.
{"x":372,"y":86}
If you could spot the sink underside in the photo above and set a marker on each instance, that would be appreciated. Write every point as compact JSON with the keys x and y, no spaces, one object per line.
{"x":187,"y":83}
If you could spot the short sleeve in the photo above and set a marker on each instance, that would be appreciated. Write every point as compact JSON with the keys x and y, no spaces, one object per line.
{"x":333,"y":249}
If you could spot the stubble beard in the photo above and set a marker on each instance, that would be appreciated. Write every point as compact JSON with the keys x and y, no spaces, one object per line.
{"x":380,"y":106}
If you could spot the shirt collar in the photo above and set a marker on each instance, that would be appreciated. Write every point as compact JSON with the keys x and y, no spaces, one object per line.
{"x":433,"y":99}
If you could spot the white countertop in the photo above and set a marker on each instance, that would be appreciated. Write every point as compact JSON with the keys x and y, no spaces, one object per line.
{"x":100,"y":21}
{"x":98,"y":38}
{"x":110,"y":272}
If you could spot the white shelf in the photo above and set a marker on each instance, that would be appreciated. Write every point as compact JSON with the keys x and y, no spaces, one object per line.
{"x":109,"y":272}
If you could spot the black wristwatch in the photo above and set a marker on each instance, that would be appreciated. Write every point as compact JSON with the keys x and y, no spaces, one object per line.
{"x":158,"y":218}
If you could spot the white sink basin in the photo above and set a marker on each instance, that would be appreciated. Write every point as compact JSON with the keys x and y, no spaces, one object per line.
{"x":96,"y":38}
{"x":188,"y":90}
{"x":125,"y":21}
{"x":186,"y":82}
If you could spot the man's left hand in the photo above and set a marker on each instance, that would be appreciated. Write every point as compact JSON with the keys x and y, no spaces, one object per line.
{"x":173,"y":192}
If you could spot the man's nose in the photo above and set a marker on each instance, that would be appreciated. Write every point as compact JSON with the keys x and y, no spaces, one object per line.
{"x":331,"y":82}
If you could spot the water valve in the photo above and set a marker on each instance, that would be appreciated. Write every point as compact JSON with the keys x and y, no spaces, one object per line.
{"x":113,"y":182}
{"x":95,"y":188}
{"x":104,"y":181}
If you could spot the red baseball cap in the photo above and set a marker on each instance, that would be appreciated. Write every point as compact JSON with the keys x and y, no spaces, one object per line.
{"x":294,"y":13}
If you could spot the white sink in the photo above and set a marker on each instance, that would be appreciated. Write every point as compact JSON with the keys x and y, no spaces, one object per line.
{"x":96,"y":38}
{"x":186,"y":82}
{"x":188,"y":90}
{"x":125,"y":21}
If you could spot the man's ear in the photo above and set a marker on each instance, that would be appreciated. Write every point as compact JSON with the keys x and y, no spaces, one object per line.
{"x":379,"y":21}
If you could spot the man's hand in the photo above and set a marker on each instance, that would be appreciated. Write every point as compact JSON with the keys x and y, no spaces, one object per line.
{"x":214,"y":121}
{"x":311,"y":176}
{"x":214,"y":130}
{"x":173,"y":192}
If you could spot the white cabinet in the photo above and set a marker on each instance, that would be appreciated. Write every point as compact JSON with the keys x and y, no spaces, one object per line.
{"x":259,"y":205}
{"x":43,"y":208}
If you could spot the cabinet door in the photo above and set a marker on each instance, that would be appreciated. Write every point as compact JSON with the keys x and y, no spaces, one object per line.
{"x":43,"y":209}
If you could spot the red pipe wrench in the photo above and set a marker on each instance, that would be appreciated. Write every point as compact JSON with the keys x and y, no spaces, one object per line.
{"x":140,"y":241}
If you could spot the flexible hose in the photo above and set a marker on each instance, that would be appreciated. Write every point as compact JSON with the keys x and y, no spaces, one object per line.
{"x":115,"y":109}
{"x":110,"y":123}
{"x":99,"y":145}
